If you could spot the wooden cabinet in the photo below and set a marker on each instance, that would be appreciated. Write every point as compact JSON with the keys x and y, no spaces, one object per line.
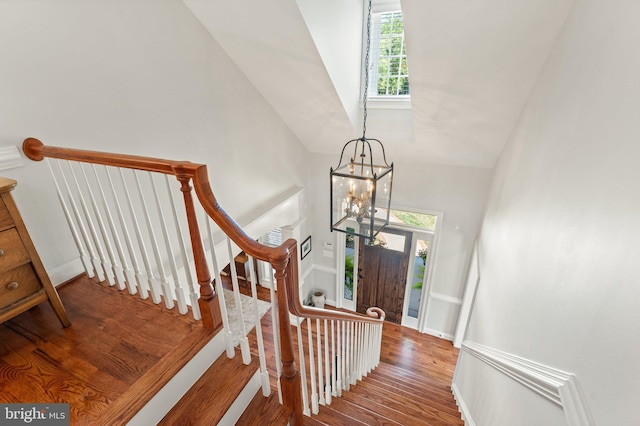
{"x":24,"y":282}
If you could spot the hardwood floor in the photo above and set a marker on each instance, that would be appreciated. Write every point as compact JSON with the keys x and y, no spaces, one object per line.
{"x":118,"y":346}
{"x":99,"y":361}
{"x":411,"y":386}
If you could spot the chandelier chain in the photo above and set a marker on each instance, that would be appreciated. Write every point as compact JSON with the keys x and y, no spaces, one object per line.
{"x":366,"y":74}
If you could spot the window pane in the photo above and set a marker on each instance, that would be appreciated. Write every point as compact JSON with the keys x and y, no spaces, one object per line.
{"x":390,"y":241}
{"x":382,"y":86}
{"x":349,"y":257}
{"x":393,"y":84}
{"x":403,"y":86}
{"x":422,"y":251}
{"x":385,"y":46}
{"x":396,"y":45}
{"x":421,"y":220}
{"x":383,"y":68}
{"x":390,"y":58}
{"x":394,"y":66}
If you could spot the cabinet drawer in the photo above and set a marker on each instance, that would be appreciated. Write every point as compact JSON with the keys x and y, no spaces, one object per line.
{"x":12,"y":251}
{"x":26,"y":280}
{"x":5,"y":218}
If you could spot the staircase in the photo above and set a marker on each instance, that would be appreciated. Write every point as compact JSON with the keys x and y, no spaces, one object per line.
{"x":417,"y":394}
{"x":302,"y":370}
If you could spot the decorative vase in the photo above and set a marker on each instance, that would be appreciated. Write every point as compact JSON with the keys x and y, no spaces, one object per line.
{"x":318,"y":299}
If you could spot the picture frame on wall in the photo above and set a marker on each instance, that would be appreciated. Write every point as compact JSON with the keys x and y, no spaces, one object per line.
{"x":305,"y":247}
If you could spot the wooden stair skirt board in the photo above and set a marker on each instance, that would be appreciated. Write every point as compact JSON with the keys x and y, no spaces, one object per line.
{"x":196,"y":374}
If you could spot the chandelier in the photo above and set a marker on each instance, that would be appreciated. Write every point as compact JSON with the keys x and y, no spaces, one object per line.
{"x":361,"y":187}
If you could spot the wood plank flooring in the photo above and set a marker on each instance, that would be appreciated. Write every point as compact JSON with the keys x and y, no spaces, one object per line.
{"x":411,"y":386}
{"x":101,"y":360}
{"x":118,"y":344}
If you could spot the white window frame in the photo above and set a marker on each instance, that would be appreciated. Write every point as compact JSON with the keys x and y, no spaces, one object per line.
{"x":375,"y":101}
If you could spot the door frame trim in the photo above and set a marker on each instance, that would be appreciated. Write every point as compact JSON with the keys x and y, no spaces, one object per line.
{"x":424,"y":302}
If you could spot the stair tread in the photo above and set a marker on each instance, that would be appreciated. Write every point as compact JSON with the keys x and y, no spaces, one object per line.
{"x":360,"y":413}
{"x":209,"y":398}
{"x":405,"y":383}
{"x":427,"y":376}
{"x":440,"y":398}
{"x":369,"y":395}
{"x":327,"y":415}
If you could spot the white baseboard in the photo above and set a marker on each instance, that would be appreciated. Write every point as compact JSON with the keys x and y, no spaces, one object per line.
{"x":462,"y":407}
{"x":555,"y":385}
{"x":65,"y":272}
{"x":438,"y":333}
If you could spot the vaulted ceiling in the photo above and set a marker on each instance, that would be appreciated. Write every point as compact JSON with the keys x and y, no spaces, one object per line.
{"x":472,"y":66}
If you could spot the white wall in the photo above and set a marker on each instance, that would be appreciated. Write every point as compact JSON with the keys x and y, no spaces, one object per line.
{"x":141,"y":77}
{"x":336,"y":29}
{"x":559,"y":246}
{"x":459,"y":192}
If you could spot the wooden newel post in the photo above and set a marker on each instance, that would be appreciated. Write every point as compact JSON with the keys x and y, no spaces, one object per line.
{"x":290,"y":378}
{"x":208,"y":303}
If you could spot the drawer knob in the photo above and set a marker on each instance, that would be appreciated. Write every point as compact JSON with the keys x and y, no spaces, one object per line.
{"x":12,"y":285}
{"x":1,"y":252}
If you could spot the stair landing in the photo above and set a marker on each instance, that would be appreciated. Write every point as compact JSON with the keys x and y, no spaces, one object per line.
{"x":118,"y":351}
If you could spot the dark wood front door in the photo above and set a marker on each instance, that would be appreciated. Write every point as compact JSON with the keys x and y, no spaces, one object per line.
{"x":382,"y":273}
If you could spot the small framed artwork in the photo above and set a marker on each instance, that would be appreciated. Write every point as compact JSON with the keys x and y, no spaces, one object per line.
{"x":305,"y":248}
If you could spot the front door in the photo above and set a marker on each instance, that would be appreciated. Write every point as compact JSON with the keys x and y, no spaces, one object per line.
{"x":382,"y":273}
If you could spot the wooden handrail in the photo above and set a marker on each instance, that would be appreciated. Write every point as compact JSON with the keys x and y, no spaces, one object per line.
{"x":284,"y":259}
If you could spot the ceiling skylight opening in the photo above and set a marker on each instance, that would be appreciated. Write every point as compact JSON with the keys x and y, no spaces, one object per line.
{"x":389,"y":72}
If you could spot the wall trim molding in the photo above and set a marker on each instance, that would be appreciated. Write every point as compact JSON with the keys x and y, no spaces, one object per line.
{"x":445,"y":298}
{"x":322,"y":268}
{"x":555,"y":385}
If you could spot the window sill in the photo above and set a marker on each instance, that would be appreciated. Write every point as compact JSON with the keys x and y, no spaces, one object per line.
{"x":392,"y":102}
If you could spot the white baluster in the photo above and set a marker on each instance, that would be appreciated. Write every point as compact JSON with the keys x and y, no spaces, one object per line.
{"x":312,"y":368}
{"x":124,"y":269}
{"x":116,"y":268}
{"x":244,"y":341}
{"x":327,"y":388}
{"x":341,"y":358}
{"x":137,"y":278}
{"x":379,"y":346}
{"x":354,"y":354}
{"x":320,"y":373}
{"x":348,"y":353}
{"x":264,"y":373}
{"x":226,"y":329}
{"x":178,"y":291}
{"x":360,"y":352}
{"x":164,"y":284}
{"x":150,"y":278}
{"x":367,"y":348}
{"x":84,"y":257}
{"x":106,"y":266}
{"x":335,"y":366}
{"x":303,"y":371}
{"x":275,"y":325}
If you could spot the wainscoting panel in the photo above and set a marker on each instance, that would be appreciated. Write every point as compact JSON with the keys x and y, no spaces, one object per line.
{"x":559,"y":387}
